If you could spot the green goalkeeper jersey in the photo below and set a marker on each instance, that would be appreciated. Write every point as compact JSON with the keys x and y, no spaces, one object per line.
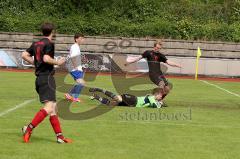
{"x":147,"y":101}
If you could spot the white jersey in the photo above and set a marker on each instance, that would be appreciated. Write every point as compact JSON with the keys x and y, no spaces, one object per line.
{"x":75,"y":56}
{"x":75,"y":50}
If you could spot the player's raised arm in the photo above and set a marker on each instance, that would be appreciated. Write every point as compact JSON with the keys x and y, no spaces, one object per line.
{"x":51,"y":61}
{"x":27,"y":57}
{"x":173,"y":64}
{"x":135,"y":59}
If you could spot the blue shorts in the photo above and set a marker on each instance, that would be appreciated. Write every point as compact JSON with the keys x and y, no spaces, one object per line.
{"x":77,"y":74}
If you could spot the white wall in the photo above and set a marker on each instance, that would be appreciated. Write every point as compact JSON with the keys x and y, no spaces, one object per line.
{"x":207,"y":66}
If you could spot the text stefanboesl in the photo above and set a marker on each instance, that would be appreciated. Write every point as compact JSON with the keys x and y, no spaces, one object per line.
{"x":156,"y":115}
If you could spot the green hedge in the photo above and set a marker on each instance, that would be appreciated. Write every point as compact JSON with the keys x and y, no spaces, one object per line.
{"x":178,"y":19}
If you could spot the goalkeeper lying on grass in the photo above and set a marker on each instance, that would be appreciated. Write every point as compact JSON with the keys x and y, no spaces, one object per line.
{"x":153,"y":100}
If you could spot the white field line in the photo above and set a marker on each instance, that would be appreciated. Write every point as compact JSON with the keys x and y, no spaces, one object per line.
{"x":16,"y":107}
{"x":225,"y":90}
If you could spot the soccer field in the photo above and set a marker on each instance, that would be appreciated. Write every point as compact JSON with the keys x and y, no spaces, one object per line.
{"x":201,"y":121}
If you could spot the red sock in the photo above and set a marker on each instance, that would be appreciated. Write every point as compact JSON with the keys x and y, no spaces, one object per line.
{"x":56,"y":126}
{"x":39,"y":117}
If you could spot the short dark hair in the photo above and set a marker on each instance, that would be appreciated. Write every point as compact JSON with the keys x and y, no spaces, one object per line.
{"x":77,"y":35}
{"x":47,"y":28}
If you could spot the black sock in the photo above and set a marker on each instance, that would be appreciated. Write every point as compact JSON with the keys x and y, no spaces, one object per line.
{"x":109,"y":94}
{"x":102,"y":100}
{"x":95,"y":90}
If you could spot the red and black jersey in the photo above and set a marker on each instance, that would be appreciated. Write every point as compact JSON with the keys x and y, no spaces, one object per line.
{"x":154,"y":58}
{"x":38,"y":50}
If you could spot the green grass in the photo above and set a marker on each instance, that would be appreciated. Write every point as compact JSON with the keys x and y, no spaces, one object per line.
{"x":212,"y":133}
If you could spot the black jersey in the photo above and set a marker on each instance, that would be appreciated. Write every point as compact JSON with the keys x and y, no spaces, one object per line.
{"x":38,"y":50}
{"x":154,"y":58}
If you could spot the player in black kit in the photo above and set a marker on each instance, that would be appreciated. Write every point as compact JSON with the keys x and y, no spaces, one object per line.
{"x":43,"y":52}
{"x":154,"y":58}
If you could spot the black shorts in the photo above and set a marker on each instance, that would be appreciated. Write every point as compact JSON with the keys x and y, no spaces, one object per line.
{"x":46,"y":88}
{"x":128,"y":100}
{"x":156,"y":78}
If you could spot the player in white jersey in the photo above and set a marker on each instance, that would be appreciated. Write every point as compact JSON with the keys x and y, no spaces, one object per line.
{"x":75,"y":69}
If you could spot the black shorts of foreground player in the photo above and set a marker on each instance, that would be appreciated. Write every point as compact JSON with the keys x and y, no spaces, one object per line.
{"x":152,"y":100}
{"x":43,"y":52}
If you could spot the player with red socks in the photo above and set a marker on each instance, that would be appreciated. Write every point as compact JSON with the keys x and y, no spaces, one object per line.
{"x":43,"y":52}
